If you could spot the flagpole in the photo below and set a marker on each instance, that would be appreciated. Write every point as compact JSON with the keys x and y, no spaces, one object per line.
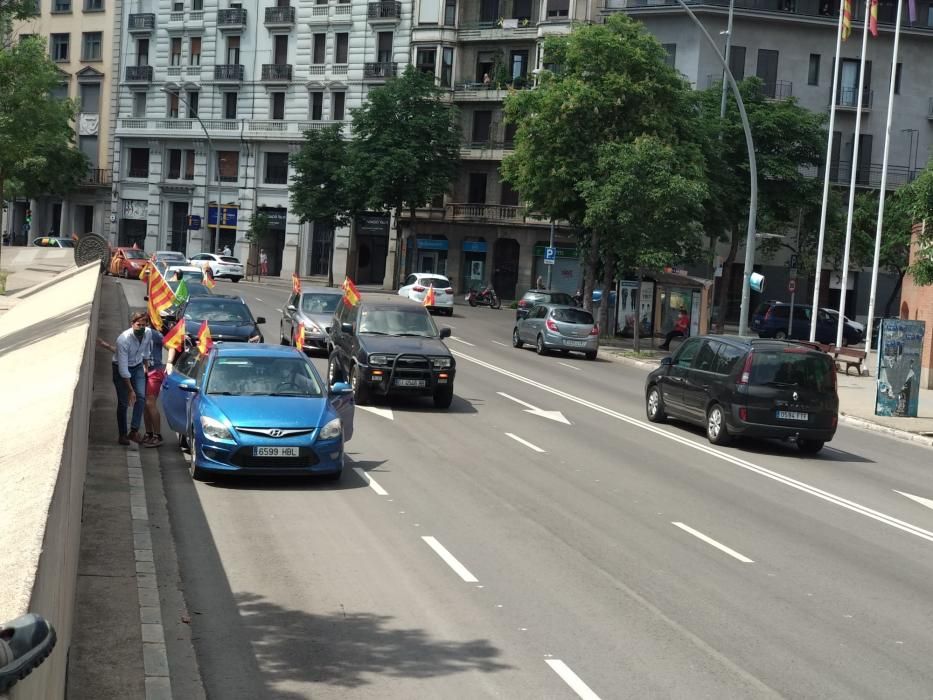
{"x":884,"y":182}
{"x":855,"y":148}
{"x":837,"y":69}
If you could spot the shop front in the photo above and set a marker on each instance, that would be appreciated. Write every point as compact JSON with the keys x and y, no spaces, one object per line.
{"x":431,"y":254}
{"x":473,"y":267}
{"x":132,"y":229}
{"x":229,"y":216}
{"x":372,"y":247}
{"x":566,"y":272}
{"x":274,"y":244}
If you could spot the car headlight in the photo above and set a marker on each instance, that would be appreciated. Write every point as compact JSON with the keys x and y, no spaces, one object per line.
{"x":332,"y":430}
{"x":381,"y":360}
{"x":440,"y":362}
{"x":214,"y":429}
{"x":312,"y":327}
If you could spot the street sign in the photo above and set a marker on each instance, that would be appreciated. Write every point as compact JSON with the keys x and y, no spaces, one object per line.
{"x":550,"y":256}
{"x":194,"y":222}
{"x":793,"y":261}
{"x":792,"y":285}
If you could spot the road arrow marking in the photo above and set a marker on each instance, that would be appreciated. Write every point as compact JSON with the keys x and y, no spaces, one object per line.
{"x":384,"y":412}
{"x":535,"y":411}
{"x":919,"y":499}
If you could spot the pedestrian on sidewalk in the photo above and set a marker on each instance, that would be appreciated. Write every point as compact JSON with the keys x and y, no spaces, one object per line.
{"x":154,"y":376}
{"x":263,"y":263}
{"x":133,"y":348}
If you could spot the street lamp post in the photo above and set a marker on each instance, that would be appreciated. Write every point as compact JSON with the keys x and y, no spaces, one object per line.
{"x":753,"y":175}
{"x":175,"y":89}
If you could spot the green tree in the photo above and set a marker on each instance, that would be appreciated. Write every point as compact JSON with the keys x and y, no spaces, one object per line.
{"x":256,"y":234}
{"x":611,"y":85}
{"x":789,"y":141}
{"x":405,"y":149}
{"x":920,"y":206}
{"x":320,"y":191}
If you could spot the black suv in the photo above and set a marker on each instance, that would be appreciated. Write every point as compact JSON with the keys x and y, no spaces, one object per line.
{"x":391,"y":347}
{"x":748,"y":387}
{"x":228,"y":318}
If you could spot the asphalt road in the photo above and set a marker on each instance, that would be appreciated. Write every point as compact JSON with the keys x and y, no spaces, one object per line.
{"x":492,"y":551}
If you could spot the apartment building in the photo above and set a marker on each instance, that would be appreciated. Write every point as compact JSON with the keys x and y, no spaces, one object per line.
{"x":790,"y":45}
{"x":480,"y":232}
{"x":212,"y":99}
{"x":79,"y":35}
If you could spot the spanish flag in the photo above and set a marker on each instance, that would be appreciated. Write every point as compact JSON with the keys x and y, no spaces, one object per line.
{"x":296,"y":284}
{"x":209,"y":278}
{"x":175,"y":338}
{"x":161,"y":296}
{"x":204,"y":339}
{"x":846,"y":19}
{"x":300,"y":337}
{"x":351,"y":295}
{"x":429,"y":298}
{"x":873,"y":18}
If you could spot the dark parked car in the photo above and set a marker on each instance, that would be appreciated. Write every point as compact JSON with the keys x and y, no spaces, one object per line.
{"x":228,"y":318}
{"x":534,"y":297}
{"x":748,"y":387}
{"x":771,"y":321}
{"x":391,"y":347}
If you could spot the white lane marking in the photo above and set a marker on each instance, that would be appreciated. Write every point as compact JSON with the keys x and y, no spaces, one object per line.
{"x":556,"y":416}
{"x":572,"y":679}
{"x":919,"y":499}
{"x":718,"y":545}
{"x":462,"y":341}
{"x":505,"y":345}
{"x":373,"y":484}
{"x":450,"y":560}
{"x":570,"y":366}
{"x":525,"y":442}
{"x":384,"y":412}
{"x":258,"y":299}
{"x":775,"y":476}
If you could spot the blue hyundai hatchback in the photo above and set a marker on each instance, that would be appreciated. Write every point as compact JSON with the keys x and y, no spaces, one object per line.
{"x":257,"y":409}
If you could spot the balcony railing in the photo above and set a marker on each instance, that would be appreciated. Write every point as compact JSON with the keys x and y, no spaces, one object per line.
{"x":280,"y":16}
{"x":809,"y":8}
{"x":234,"y":18}
{"x":380,"y":69}
{"x":387,"y":10}
{"x":191,"y":129}
{"x":139,"y":74}
{"x":230,"y":72}
{"x":778,"y":90}
{"x":95,"y":177}
{"x":867,"y":175}
{"x":488,"y":212}
{"x":847,"y":97}
{"x":142,"y":22}
{"x":277,"y":72}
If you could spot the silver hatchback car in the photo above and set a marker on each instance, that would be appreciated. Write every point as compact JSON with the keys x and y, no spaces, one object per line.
{"x":558,"y":327}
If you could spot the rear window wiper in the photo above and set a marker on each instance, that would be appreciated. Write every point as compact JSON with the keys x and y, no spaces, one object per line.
{"x":776,"y":383}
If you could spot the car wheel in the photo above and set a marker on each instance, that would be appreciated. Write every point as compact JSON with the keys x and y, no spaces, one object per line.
{"x":282,"y":340}
{"x":197,"y":473}
{"x":360,"y":389}
{"x":780,"y":335}
{"x":654,"y":406}
{"x":123,"y":274}
{"x":183,"y":441}
{"x":809,"y":447}
{"x":443,"y":396}
{"x":234,"y":279}
{"x":591,"y":355}
{"x":716,"y":430}
{"x":334,"y":373}
{"x":539,"y":346}
{"x":516,"y":340}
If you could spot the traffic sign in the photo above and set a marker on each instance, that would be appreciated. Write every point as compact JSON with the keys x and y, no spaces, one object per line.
{"x":791,"y":285}
{"x":793,"y":261}
{"x":550,"y":256}
{"x":194,"y":222}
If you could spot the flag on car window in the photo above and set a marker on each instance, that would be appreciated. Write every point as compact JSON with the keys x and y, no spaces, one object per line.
{"x":300,"y":337}
{"x":175,"y":338}
{"x":204,"y":338}
{"x":296,"y":284}
{"x":351,"y":295}
{"x":181,"y":291}
{"x":161,"y":297}
{"x":429,"y":298}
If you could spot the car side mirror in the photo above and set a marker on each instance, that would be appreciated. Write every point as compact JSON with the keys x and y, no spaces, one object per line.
{"x":145,"y":298}
{"x":189,"y":385}
{"x":341,"y":389}
{"x":291,"y":307}
{"x":667,"y":361}
{"x":346,"y":328}
{"x":445,"y":333}
{"x":261,"y":320}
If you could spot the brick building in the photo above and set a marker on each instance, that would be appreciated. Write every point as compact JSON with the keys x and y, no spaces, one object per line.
{"x":917,"y":305}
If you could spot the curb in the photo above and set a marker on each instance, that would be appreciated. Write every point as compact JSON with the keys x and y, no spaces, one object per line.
{"x":631,"y":361}
{"x":866,"y":424}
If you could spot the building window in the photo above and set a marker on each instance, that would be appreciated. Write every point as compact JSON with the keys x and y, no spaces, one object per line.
{"x":139,"y":162}
{"x":447,"y":67}
{"x":142,"y":52}
{"x":813,"y":77}
{"x":90,"y":98}
{"x":233,"y":50}
{"x":671,"y":51}
{"x":228,"y":165}
{"x":60,"y":47}
{"x":897,"y":79}
{"x":508,"y":196}
{"x":426,"y":60}
{"x":317,"y":106}
{"x":139,"y":104}
{"x":59,"y":92}
{"x":278,"y":105}
{"x":230,"y":100}
{"x":276,"y":169}
{"x":318,"y":48}
{"x":178,"y":6}
{"x":174,"y":164}
{"x":341,"y":47}
{"x":93,"y":5}
{"x":195,"y":58}
{"x":61,"y":6}
{"x":737,"y":62}
{"x":450,"y":12}
{"x":767,"y":71}
{"x":175,"y":53}
{"x":384,"y":47}
{"x":558,"y":8}
{"x":92,"y":46}
{"x":193,"y":99}
{"x":197,"y":5}
{"x":482,"y":123}
{"x":172,"y":110}
{"x":188,"y":172}
{"x":338,"y":102}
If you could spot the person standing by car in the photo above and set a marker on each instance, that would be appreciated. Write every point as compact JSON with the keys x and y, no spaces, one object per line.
{"x":154,"y":376}
{"x":681,"y":329}
{"x":133,"y":348}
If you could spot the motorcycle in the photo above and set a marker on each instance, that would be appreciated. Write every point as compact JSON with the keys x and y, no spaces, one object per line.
{"x":486,"y":297}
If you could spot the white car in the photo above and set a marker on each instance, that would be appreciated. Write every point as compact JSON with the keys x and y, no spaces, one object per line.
{"x":416,"y":288}
{"x":221,"y":265}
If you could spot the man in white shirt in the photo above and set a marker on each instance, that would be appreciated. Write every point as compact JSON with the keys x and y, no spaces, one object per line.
{"x":227,"y":251}
{"x":132,"y":350}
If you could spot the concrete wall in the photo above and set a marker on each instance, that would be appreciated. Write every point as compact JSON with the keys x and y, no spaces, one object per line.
{"x":46,"y":369}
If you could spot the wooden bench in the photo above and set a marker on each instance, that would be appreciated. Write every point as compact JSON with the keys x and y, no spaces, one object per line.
{"x":851,"y":357}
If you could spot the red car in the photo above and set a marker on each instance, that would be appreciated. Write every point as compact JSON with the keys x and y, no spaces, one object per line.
{"x":128,"y":262}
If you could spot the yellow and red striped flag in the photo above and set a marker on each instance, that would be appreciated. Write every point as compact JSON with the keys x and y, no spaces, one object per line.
{"x":846,"y":19}
{"x":209,"y":278}
{"x":300,"y":337}
{"x":873,"y":18}
{"x":175,"y":338}
{"x":351,"y":295}
{"x":205,"y":343}
{"x":429,"y":298}
{"x":296,"y":284}
{"x":161,"y":297}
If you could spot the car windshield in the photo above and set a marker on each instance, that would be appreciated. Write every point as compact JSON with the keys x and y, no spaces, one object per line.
{"x":573,"y":316}
{"x":793,"y":367}
{"x":320,"y":303}
{"x":561,"y":298}
{"x":229,"y":311}
{"x":533,"y":297}
{"x":132,"y":254}
{"x":262,"y":376}
{"x":227,"y":258}
{"x":186,"y":274}
{"x":413,"y":321}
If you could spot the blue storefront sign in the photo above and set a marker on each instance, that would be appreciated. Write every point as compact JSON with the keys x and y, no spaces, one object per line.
{"x":432,"y":244}
{"x":474,"y":246}
{"x":228,"y":217}
{"x":899,"y":350}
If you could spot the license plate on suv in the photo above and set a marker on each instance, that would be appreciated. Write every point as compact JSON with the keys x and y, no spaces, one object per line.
{"x":276,"y":452}
{"x":410,"y":382}
{"x":793,"y":415}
